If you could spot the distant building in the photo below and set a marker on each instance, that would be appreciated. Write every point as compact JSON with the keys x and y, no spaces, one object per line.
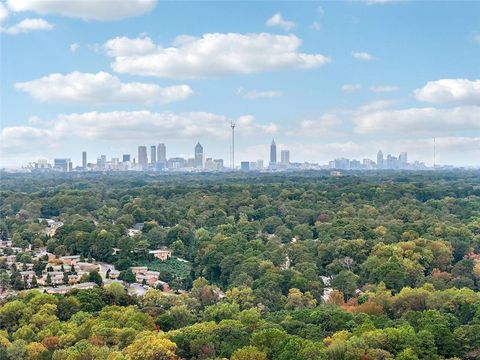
{"x":102,"y":162}
{"x":245,"y":166}
{"x":126,"y":158}
{"x":198,"y":156}
{"x":161,"y":254}
{"x":142,"y":157}
{"x":285,"y":157}
{"x":70,"y":260}
{"x":176,"y":163}
{"x":218,"y":164}
{"x":379,"y":159}
{"x":273,"y":152}
{"x":259,"y":164}
{"x":368,"y":164}
{"x":153,"y":154}
{"x":355,"y":165}
{"x":84,"y":160}
{"x":61,"y":164}
{"x":342,"y":163}
{"x":403,"y":158}
{"x":209,"y":164}
{"x":161,"y":156}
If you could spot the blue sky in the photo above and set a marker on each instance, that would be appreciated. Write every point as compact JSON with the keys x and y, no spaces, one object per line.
{"x":325,"y":79}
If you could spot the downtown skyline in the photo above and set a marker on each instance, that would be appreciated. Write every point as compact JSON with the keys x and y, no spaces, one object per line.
{"x":279,"y":160}
{"x":325,"y":79}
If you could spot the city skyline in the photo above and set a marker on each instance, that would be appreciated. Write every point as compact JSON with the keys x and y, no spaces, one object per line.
{"x":325,"y":79}
{"x":158,"y":161}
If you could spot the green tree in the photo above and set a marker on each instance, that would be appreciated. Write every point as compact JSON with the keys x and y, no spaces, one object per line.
{"x":127,"y":276}
{"x":346,"y":282}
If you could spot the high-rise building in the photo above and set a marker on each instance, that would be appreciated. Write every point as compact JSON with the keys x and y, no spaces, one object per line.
{"x":61,"y":164}
{"x":285,"y":157}
{"x":142,"y":157}
{"x":102,"y":162}
{"x":153,"y":154}
{"x":161,"y":153}
{"x":379,"y":159}
{"x":403,"y":158}
{"x":84,"y":160}
{"x":245,"y":166}
{"x":126,"y":158}
{"x":218,"y":164}
{"x":209,"y":164}
{"x":273,"y":152}
{"x":198,"y":156}
{"x":342,"y":164}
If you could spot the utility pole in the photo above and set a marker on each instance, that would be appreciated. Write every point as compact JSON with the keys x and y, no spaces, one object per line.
{"x":232,"y":159}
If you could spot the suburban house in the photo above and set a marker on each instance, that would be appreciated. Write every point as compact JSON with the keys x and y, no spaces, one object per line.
{"x":161,"y":254}
{"x":70,"y":260}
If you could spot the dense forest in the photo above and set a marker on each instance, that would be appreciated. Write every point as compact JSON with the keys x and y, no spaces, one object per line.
{"x":384,"y":265}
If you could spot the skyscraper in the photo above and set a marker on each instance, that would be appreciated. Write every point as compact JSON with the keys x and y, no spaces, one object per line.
{"x":285,"y":157}
{"x":161,"y":153}
{"x":153,"y":155}
{"x":84,"y":160}
{"x":61,"y":164}
{"x":379,"y":159}
{"x":142,"y":157}
{"x":403,"y":158}
{"x":273,"y":152}
{"x":198,"y":156}
{"x":126,"y":158}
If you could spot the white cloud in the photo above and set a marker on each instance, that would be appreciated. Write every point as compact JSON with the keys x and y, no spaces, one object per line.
{"x":349,"y":88}
{"x":123,"y":46}
{"x":126,"y":127}
{"x":100,"y":88}
{"x":315,"y":25}
{"x":213,"y":54}
{"x":376,"y":105}
{"x":3,"y":12}
{"x":384,"y":88}
{"x":278,"y":21}
{"x":362,"y":55}
{"x":320,"y":11}
{"x":327,"y":124}
{"x":28,"y":25}
{"x":256,"y":94}
{"x":74,"y":47}
{"x":450,"y":90}
{"x":102,"y":10}
{"x":476,"y":37}
{"x":377,"y":119}
{"x":418,"y":121}
{"x":17,"y":140}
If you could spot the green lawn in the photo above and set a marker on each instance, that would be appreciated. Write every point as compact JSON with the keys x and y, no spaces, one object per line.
{"x":169,"y":269}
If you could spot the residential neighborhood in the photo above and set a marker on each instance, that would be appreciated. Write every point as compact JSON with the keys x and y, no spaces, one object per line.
{"x":26,"y":268}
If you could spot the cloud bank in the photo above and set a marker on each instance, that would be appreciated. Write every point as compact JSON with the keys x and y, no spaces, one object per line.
{"x":100,"y":89}
{"x":212,"y":55}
